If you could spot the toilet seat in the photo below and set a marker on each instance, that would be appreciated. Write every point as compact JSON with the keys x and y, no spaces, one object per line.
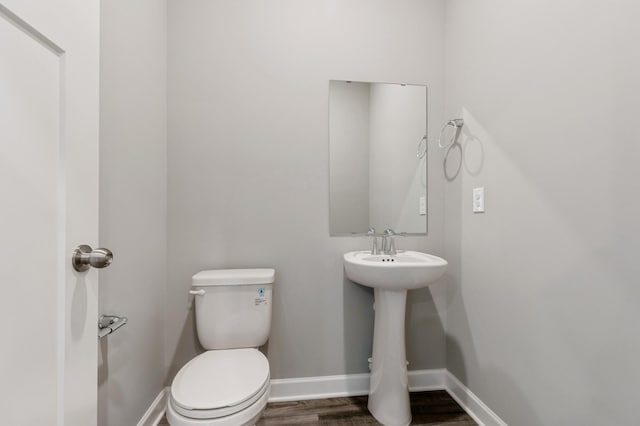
{"x":246,"y":417}
{"x":220,"y":383}
{"x":215,"y":413}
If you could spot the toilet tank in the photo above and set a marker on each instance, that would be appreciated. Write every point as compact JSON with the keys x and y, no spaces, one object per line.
{"x":233,"y":307}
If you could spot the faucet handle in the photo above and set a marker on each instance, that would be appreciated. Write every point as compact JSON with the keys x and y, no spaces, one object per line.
{"x":388,"y":246}
{"x":372,"y":233}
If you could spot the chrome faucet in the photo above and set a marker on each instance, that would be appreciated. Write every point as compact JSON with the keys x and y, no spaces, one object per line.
{"x":388,"y":245}
{"x":372,"y":232}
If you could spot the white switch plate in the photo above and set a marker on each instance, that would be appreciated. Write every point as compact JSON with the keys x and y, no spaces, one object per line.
{"x":478,"y":200}
{"x":423,"y":206}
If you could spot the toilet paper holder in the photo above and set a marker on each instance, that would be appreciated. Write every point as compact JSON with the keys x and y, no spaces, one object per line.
{"x":107,"y":324}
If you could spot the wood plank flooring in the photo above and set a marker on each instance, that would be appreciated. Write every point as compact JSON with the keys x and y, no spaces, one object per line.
{"x":428,"y":408}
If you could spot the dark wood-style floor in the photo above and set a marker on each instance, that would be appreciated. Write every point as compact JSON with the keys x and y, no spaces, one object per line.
{"x":428,"y":408}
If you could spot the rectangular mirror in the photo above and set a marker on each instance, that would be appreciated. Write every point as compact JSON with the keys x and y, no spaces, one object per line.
{"x":377,"y":177}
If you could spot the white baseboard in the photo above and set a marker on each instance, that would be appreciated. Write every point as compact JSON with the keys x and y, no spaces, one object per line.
{"x":305,"y":388}
{"x":346,"y":385}
{"x":477,"y":409}
{"x":427,"y":380}
{"x":156,"y":410}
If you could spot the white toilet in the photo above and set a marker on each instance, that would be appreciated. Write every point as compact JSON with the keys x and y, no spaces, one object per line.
{"x":228,"y":385}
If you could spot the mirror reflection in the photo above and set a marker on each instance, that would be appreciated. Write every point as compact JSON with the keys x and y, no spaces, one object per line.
{"x":377,"y":176}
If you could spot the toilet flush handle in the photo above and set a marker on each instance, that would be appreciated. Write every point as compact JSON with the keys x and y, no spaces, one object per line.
{"x":197,"y":292}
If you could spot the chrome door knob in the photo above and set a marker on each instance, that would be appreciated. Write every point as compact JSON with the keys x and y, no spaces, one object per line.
{"x":84,"y":257}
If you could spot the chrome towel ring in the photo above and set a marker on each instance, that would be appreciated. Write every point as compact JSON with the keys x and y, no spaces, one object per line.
{"x":457,"y":124}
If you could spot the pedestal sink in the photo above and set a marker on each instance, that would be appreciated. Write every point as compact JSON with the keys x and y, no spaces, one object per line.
{"x":391,"y":276}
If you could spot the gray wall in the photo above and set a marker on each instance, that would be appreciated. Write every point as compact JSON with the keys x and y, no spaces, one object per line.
{"x":248,"y":166}
{"x":544,"y":297}
{"x":133,"y":186}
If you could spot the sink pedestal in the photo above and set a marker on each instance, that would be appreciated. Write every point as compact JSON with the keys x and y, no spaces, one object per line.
{"x":389,"y":388}
{"x":391,"y":276}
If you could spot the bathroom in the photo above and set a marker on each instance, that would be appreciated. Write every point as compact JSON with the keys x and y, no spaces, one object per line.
{"x":214,"y":154}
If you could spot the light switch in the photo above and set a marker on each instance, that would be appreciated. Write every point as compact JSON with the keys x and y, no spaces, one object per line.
{"x":478,"y":200}
{"x":423,"y":206}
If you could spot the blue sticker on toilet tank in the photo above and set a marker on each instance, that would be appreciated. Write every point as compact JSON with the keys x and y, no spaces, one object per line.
{"x":261,"y":300}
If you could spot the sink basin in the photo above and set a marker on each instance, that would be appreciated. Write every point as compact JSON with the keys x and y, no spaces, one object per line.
{"x":407,"y":270}
{"x":391,"y":278}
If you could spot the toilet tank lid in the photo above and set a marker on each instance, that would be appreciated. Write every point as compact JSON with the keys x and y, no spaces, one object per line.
{"x":216,"y":277}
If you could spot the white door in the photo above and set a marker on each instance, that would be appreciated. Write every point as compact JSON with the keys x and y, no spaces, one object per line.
{"x":48,"y":205}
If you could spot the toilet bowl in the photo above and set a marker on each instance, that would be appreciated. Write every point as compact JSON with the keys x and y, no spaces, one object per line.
{"x":228,"y":385}
{"x":220,"y":388}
